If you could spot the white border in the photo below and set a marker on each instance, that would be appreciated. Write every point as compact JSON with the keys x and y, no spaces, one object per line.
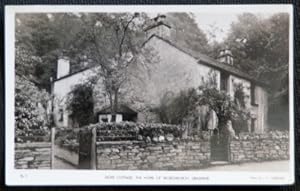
{"x":100,"y":177}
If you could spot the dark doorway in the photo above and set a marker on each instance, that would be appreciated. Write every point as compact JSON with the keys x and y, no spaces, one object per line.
{"x":219,"y":146}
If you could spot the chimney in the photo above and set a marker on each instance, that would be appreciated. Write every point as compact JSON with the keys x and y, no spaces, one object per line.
{"x":63,"y":67}
{"x":225,"y":56}
{"x":159,"y":27}
{"x":84,"y":61}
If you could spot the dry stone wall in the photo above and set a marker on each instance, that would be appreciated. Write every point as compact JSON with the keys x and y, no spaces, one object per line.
{"x":260,"y":147}
{"x":35,"y":155}
{"x":139,"y":155}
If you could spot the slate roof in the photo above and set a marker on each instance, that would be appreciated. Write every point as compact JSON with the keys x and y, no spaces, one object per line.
{"x":122,"y":109}
{"x":206,"y":60}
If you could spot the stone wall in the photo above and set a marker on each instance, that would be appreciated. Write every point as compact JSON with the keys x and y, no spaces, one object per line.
{"x":139,"y":155}
{"x":260,"y":147}
{"x":36,"y":155}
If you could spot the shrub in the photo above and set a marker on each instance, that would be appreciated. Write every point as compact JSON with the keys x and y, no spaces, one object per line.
{"x":133,"y":131}
{"x":174,"y":109}
{"x":80,"y":103}
{"x":30,"y":110}
{"x":224,"y":107}
{"x":67,"y":138}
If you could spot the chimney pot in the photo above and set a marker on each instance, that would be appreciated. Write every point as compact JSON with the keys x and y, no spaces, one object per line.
{"x":225,"y":56}
{"x":63,"y":66}
{"x":159,"y":27}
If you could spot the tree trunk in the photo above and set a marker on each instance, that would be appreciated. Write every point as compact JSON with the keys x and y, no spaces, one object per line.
{"x":114,"y":107}
{"x":111,"y":107}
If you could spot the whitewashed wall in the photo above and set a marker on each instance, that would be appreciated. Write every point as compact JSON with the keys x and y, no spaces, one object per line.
{"x":61,"y":88}
{"x":258,"y":111}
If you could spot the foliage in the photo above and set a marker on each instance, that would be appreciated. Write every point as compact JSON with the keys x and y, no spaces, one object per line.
{"x":113,"y":42}
{"x":101,"y":37}
{"x":261,"y":47}
{"x":173,"y":110}
{"x":187,"y":33}
{"x":239,"y":96}
{"x":131,"y":131}
{"x":222,"y":105}
{"x":33,"y":135}
{"x":80,"y":103}
{"x":40,"y":39}
{"x":30,"y":108}
{"x":67,"y":138}
{"x":240,"y":123}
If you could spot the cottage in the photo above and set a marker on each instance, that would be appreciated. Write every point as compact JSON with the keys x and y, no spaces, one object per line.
{"x":178,"y":69}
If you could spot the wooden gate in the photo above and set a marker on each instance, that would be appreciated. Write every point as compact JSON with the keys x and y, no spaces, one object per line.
{"x":87,"y":149}
{"x":219,"y":146}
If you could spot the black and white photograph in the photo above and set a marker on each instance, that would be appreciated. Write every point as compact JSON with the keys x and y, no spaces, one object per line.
{"x":118,"y":95}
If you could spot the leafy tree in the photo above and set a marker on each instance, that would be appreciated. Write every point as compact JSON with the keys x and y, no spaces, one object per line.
{"x":114,"y":43}
{"x":261,"y":48}
{"x":40,"y":39}
{"x":80,"y":103}
{"x":186,"y":32}
{"x":30,"y":106}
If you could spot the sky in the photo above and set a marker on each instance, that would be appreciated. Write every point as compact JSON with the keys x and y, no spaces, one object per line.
{"x":219,"y":23}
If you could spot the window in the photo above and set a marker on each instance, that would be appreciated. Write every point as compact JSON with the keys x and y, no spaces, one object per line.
{"x":253,"y":125}
{"x":253,"y":95}
{"x":61,"y":115}
{"x":224,"y":81}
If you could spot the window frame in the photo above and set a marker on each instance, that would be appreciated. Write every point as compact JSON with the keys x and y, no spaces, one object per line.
{"x":253,"y":94}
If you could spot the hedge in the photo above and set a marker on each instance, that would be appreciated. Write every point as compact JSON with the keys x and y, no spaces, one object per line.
{"x":135,"y":131}
{"x":32,"y":135}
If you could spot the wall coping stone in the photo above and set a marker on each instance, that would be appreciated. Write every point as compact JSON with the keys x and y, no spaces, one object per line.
{"x":33,"y":145}
{"x":152,"y":143}
{"x":118,"y":142}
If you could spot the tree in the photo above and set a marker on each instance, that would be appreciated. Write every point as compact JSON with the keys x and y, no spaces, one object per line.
{"x":114,"y":42}
{"x":261,"y":48}
{"x":80,"y":103}
{"x":186,"y":32}
{"x":40,"y":39}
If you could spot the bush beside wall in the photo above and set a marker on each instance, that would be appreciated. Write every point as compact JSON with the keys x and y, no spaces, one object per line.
{"x":35,"y":155}
{"x":125,"y":131}
{"x":260,"y":147}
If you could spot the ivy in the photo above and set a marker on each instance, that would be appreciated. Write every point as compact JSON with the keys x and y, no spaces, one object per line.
{"x":80,"y":103}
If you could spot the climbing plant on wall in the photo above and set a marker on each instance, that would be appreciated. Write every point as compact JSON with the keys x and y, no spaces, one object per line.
{"x":80,"y":104}
{"x":221,"y":103}
{"x":240,"y":122}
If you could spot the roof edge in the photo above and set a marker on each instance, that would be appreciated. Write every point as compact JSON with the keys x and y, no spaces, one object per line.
{"x":203,"y":59}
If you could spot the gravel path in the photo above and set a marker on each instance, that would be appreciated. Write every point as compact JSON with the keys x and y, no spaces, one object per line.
{"x":262,"y":166}
{"x":61,"y":164}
